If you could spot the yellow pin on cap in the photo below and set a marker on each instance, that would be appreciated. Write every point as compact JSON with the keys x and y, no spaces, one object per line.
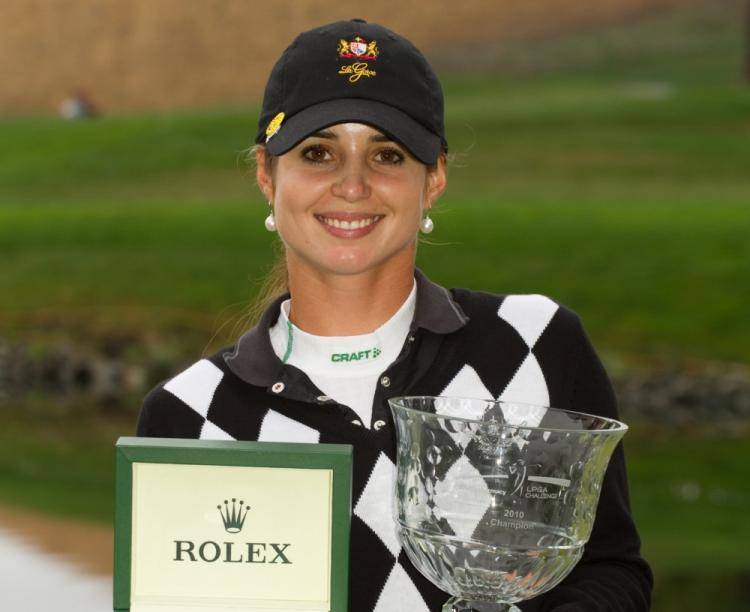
{"x":274,"y":126}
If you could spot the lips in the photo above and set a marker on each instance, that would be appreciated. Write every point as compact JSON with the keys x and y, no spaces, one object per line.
{"x":348,"y":225}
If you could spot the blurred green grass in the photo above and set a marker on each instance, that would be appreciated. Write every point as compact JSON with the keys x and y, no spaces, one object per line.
{"x":688,"y":493}
{"x":618,"y":184}
{"x":633,"y":212}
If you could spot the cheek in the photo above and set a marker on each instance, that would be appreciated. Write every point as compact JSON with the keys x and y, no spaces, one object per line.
{"x":292,"y":197}
{"x":412,"y":197}
{"x":409,"y":189}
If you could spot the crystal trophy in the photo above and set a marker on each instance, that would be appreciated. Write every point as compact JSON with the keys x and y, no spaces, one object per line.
{"x":495,"y":500}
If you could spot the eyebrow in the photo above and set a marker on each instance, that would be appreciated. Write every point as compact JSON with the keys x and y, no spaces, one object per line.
{"x":380,"y":138}
{"x":329,"y":135}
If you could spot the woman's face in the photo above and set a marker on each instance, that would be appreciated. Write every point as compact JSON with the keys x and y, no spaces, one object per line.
{"x":348,"y":200}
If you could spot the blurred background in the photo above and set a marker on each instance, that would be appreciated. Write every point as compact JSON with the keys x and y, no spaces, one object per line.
{"x":601,"y":156}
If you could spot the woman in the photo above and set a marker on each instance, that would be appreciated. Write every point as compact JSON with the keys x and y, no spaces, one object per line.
{"x":351,"y":157}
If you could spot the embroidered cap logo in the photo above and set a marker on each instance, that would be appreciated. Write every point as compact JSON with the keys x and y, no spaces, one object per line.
{"x":358,"y":49}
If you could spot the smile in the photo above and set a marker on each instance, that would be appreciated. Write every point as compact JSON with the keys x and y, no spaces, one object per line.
{"x":349,"y":224}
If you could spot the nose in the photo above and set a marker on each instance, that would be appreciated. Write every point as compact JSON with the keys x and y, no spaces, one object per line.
{"x":352,"y":184}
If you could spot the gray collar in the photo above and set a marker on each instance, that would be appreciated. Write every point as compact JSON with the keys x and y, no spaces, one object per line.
{"x":254,"y":360}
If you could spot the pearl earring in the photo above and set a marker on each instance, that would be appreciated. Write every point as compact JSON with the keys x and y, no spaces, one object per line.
{"x":426,"y":225}
{"x":270,"y":221}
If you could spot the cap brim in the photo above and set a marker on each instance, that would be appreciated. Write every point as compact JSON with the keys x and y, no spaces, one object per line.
{"x":421,"y":143}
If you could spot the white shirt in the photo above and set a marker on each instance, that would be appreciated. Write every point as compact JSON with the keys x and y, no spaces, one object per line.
{"x":345,"y":368}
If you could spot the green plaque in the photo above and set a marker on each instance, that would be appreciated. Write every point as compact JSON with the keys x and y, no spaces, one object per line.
{"x":206,"y":525}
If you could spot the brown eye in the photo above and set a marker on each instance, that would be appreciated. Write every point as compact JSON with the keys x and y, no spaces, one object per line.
{"x":390,"y":156}
{"x":316,"y":154}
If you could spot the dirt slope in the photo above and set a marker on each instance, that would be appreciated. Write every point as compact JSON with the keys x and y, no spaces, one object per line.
{"x":138,"y":54}
{"x":85,"y":545}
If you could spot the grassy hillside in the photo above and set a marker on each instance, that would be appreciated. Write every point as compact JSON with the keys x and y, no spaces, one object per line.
{"x":630,"y":209}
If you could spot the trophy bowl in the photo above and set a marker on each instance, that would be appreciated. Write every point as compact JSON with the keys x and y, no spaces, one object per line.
{"x":495,"y":500}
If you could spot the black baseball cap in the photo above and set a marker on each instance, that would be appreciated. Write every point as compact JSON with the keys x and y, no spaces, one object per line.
{"x":353,"y":71}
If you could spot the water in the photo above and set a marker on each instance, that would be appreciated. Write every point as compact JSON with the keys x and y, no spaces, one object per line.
{"x":32,"y":581}
{"x":489,"y":573}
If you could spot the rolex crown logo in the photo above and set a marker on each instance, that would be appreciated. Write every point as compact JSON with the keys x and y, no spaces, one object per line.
{"x":233,"y":516}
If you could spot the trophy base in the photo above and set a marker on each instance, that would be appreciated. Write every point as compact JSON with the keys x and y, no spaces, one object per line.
{"x":458,"y":604}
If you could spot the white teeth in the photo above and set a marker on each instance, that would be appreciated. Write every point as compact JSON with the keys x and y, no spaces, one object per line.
{"x":349,"y":225}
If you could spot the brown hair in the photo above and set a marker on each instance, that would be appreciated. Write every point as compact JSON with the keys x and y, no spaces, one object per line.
{"x":276,"y":280}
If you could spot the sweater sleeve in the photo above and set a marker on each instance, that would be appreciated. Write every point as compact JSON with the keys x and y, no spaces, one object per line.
{"x":611,"y":576}
{"x":163,"y":415}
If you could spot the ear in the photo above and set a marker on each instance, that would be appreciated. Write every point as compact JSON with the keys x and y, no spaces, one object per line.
{"x":263,"y":173}
{"x":437,"y":180}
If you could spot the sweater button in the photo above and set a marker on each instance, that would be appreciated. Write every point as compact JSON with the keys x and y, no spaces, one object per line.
{"x":277,"y":387}
{"x":357,"y":422}
{"x":385,"y":381}
{"x":324,"y":398}
{"x":378,"y":425}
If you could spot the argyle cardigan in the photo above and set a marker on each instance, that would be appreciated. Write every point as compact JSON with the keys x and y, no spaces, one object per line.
{"x":524,"y":348}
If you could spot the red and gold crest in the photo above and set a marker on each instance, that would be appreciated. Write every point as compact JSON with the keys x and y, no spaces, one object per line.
{"x":358,"y":48}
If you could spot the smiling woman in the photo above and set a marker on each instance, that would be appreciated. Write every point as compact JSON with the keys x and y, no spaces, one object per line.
{"x":348,"y":202}
{"x":351,"y":157}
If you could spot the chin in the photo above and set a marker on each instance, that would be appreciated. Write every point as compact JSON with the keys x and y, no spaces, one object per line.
{"x":349,"y":261}
{"x":349,"y":267}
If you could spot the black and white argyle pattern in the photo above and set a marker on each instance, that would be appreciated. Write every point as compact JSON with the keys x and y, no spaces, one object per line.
{"x":519,"y":348}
